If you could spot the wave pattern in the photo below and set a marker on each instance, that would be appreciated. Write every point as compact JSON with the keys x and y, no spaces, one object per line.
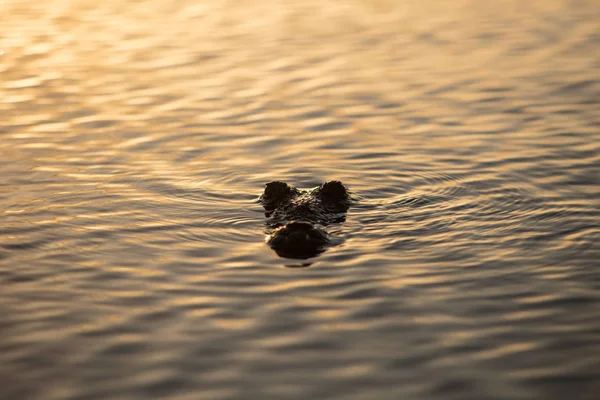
{"x":137,"y":135}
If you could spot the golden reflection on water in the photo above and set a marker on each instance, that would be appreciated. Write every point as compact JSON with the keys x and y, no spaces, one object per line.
{"x":137,"y":135}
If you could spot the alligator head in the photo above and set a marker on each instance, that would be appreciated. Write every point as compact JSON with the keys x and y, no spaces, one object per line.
{"x":297,"y":218}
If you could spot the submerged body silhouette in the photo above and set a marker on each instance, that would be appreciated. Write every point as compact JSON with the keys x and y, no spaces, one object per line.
{"x":298,"y":217}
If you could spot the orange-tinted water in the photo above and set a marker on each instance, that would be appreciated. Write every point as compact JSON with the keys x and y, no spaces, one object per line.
{"x":137,"y":135}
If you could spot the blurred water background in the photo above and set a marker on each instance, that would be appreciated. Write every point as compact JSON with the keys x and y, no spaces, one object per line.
{"x":136,"y":136}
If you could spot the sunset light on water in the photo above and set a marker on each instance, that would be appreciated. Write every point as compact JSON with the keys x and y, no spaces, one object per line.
{"x":437,"y":176}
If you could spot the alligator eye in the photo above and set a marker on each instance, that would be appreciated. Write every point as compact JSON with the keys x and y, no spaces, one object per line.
{"x":276,"y":189}
{"x":334,"y":189}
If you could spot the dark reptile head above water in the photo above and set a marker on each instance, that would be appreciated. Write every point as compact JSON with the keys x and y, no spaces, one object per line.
{"x":297,"y":217}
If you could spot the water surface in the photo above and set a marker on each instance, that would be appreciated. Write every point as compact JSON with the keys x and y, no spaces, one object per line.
{"x":137,"y":135}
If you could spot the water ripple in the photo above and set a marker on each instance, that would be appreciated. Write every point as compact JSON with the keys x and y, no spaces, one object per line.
{"x":137,"y":135}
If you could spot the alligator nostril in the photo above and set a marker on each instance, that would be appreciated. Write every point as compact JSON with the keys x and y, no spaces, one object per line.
{"x":300,"y":225}
{"x":298,"y":239}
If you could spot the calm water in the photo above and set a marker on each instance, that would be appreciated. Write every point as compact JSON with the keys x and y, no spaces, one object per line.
{"x":137,"y":135}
